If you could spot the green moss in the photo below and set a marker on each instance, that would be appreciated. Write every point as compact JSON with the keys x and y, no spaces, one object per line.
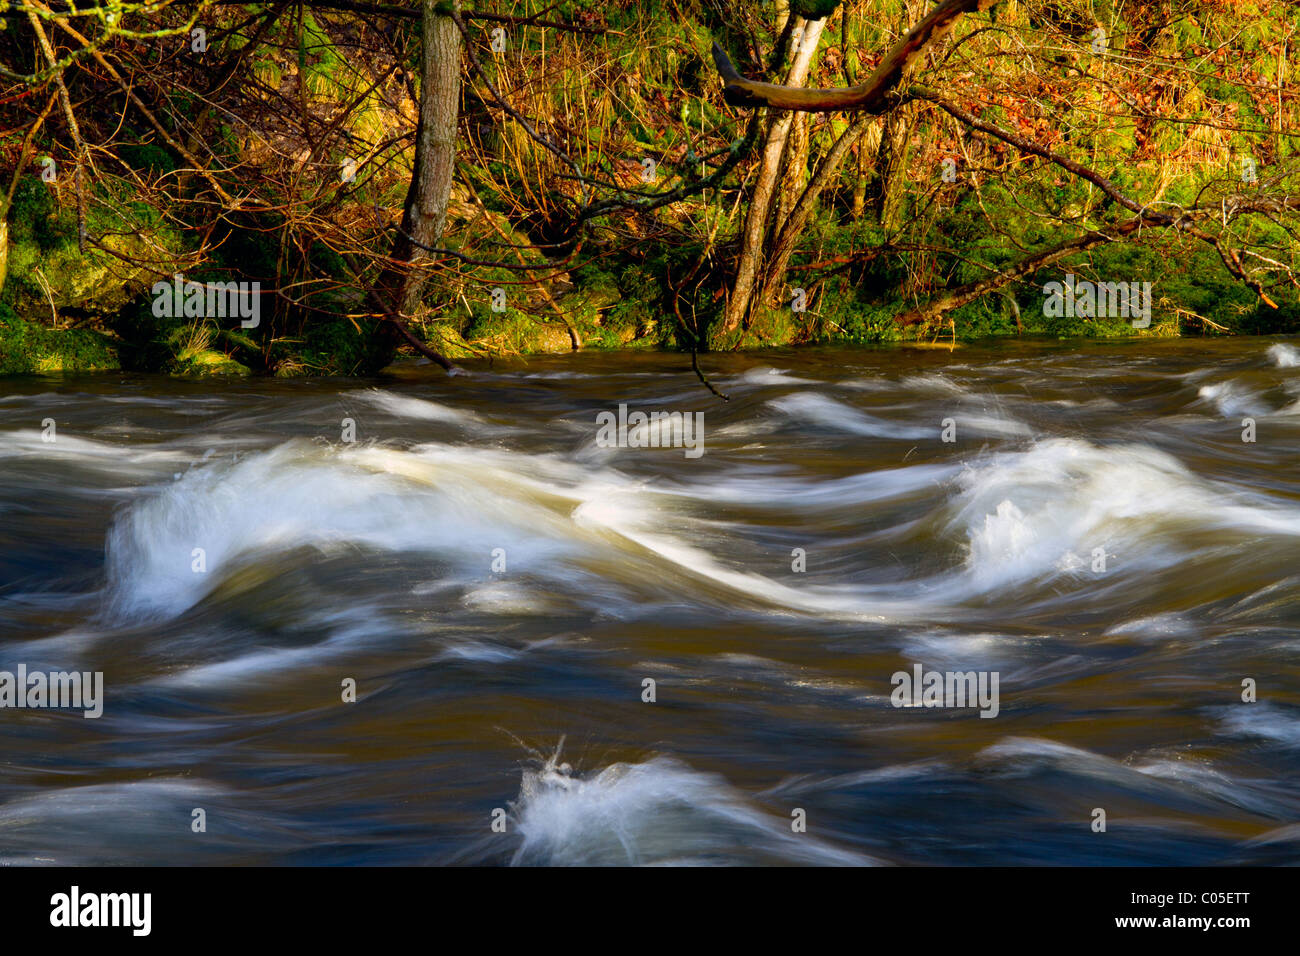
{"x":514,"y":331}
{"x":28,"y":348}
{"x":47,"y":268}
{"x":31,"y":214}
{"x":209,"y":362}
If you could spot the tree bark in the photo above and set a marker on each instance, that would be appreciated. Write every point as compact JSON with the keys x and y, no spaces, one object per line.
{"x":860,"y":184}
{"x":399,"y":291}
{"x":760,"y":203}
{"x":794,"y":174}
{"x":791,"y":227}
{"x":895,"y":149}
{"x":424,"y":216}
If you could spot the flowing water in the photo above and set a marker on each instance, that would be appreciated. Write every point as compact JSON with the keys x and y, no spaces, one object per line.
{"x":500,"y":585}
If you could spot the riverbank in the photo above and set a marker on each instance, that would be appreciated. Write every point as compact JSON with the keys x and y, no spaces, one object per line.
{"x":89,"y":337}
{"x":62,"y":310}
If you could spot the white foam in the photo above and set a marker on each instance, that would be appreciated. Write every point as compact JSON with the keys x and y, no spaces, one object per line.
{"x":407,"y":406}
{"x":784,"y":493}
{"x":1019,"y":515}
{"x":1257,"y":796}
{"x":1155,"y":627}
{"x":1260,"y":720}
{"x":815,"y":409}
{"x":1284,"y":356}
{"x":505,"y":597}
{"x":97,"y":800}
{"x":452,"y":506}
{"x":945,"y":650}
{"x":820,"y":410}
{"x":765,"y":375}
{"x":608,"y":511}
{"x":1025,"y":514}
{"x":658,"y":811}
{"x":934,"y":382}
{"x":1232,"y":400}
{"x":27,"y":442}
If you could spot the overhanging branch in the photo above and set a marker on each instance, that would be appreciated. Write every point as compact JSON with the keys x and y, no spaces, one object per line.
{"x":872,"y":96}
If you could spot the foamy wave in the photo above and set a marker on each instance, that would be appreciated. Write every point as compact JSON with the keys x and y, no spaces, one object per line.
{"x":659,"y":811}
{"x":824,"y":412}
{"x":440,"y":501}
{"x":27,"y":442}
{"x":406,"y":406}
{"x":765,"y":375}
{"x":1233,"y":400}
{"x":814,"y":409}
{"x":1261,"y":721}
{"x":1019,"y":515}
{"x":1284,"y":356}
{"x":1045,"y":510}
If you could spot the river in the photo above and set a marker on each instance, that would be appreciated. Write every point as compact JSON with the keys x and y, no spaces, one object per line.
{"x":570,"y":653}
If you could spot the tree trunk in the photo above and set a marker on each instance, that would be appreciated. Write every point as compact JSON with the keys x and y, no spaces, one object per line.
{"x":789,"y":229}
{"x":808,"y":34}
{"x":424,"y":215}
{"x":860,"y":183}
{"x":794,"y":170}
{"x":895,"y":147}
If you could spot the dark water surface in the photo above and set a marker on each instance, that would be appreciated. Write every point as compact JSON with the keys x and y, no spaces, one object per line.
{"x":1119,"y":688}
